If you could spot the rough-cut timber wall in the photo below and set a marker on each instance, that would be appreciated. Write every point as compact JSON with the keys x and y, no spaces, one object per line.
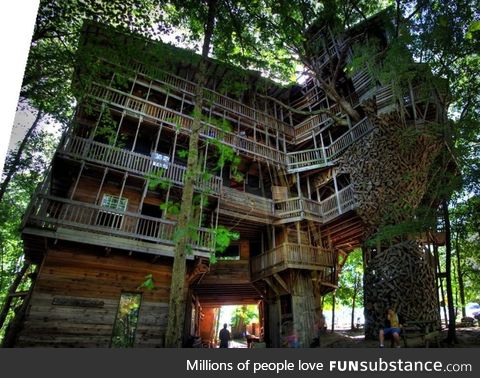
{"x":389,"y":169}
{"x":401,"y":276}
{"x":77,"y":278}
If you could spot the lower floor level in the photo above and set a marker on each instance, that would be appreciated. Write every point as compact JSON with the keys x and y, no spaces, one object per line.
{"x":86,"y":296}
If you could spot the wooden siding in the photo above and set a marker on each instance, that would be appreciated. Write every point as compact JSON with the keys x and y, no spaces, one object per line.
{"x":74,"y":275}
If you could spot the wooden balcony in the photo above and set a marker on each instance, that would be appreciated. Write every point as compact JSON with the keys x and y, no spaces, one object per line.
{"x":61,"y":218}
{"x":299,"y":208}
{"x":305,"y":160}
{"x":294,"y":161}
{"x":358,"y":131}
{"x":134,"y":162}
{"x":169,"y":80}
{"x":291,"y":256}
{"x":155,"y":112}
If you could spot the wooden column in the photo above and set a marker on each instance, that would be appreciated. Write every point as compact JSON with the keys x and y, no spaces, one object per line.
{"x":303,"y":306}
{"x":274,"y":326}
{"x":336,"y":191}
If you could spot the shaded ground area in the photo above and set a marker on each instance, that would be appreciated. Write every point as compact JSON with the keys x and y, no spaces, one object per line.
{"x":467,"y":338}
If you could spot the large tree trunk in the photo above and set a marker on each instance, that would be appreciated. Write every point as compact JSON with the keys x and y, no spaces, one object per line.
{"x":13,"y":288}
{"x":176,"y":309}
{"x":354,"y":298}
{"x":461,"y":286}
{"x":18,"y":155}
{"x":451,"y":336}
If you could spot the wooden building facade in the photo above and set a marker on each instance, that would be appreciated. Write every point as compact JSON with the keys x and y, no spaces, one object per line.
{"x":99,"y":229}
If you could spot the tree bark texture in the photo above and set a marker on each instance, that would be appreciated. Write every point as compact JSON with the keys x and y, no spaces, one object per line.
{"x":176,"y":309}
{"x":18,"y":155}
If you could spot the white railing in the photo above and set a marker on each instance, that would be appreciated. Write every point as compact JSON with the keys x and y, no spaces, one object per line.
{"x":218,"y":99}
{"x":323,"y":211}
{"x":134,"y":162}
{"x":293,"y":161}
{"x":184,"y":122}
{"x":51,"y":213}
{"x":360,"y":129}
{"x":307,"y":159}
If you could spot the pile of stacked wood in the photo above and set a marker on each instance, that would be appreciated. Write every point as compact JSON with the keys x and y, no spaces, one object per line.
{"x":390,"y":169}
{"x":401,"y":277}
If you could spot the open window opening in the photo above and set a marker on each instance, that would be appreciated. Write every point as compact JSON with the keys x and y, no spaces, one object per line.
{"x":126,"y":321}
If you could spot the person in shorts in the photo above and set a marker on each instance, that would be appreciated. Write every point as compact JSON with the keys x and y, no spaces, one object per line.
{"x":392,"y":327}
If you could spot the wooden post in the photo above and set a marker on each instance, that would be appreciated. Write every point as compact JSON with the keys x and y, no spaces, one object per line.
{"x":412,"y":100}
{"x":333,"y":310}
{"x":140,"y":120}
{"x":336,"y":191}
{"x":77,"y":180}
{"x":105,"y":171}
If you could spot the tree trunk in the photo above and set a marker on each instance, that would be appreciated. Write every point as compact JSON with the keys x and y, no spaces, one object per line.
{"x":461,"y":286}
{"x":354,"y":298}
{"x":18,"y":155}
{"x":332,"y":93}
{"x":13,"y":288}
{"x":333,"y":312}
{"x":451,"y":336}
{"x":176,"y":308}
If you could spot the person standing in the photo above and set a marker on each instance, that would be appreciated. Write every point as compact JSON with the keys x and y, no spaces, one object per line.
{"x":224,"y":336}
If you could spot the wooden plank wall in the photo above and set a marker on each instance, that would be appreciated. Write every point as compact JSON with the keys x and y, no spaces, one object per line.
{"x":230,"y":271}
{"x":72,"y":274}
{"x":88,"y":188}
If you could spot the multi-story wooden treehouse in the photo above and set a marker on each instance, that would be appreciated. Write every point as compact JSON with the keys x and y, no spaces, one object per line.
{"x":300,"y":195}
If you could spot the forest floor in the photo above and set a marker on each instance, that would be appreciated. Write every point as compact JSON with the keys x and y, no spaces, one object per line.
{"x":466,"y":337}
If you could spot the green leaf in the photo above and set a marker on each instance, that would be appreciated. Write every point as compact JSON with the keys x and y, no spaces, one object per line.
{"x":148,"y":284}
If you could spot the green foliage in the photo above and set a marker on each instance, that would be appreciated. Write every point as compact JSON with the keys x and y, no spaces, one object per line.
{"x":182,"y":153}
{"x":223,"y":238}
{"x":126,"y":321}
{"x":171,"y":207}
{"x":351,"y":280}
{"x":29,"y":173}
{"x":148,"y":284}
{"x":157,"y":180}
{"x":245,"y":315}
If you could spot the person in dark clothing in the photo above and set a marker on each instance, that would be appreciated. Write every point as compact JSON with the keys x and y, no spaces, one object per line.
{"x":392,"y":327}
{"x":224,"y":336}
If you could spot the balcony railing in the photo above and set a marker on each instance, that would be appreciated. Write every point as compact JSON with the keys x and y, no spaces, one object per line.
{"x":299,"y":208}
{"x":247,"y":202}
{"x":361,"y":128}
{"x":299,"y":161}
{"x":305,"y":160}
{"x":53,"y":213}
{"x":134,"y":162}
{"x":178,"y":120}
{"x":218,"y":99}
{"x":291,"y":256}
{"x":293,"y":161}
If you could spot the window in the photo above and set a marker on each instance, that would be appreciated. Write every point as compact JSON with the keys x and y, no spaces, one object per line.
{"x":160,"y":160}
{"x":109,"y":218}
{"x":114,"y":202}
{"x":126,"y":320}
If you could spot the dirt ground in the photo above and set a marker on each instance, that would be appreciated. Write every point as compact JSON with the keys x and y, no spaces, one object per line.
{"x":466,"y":337}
